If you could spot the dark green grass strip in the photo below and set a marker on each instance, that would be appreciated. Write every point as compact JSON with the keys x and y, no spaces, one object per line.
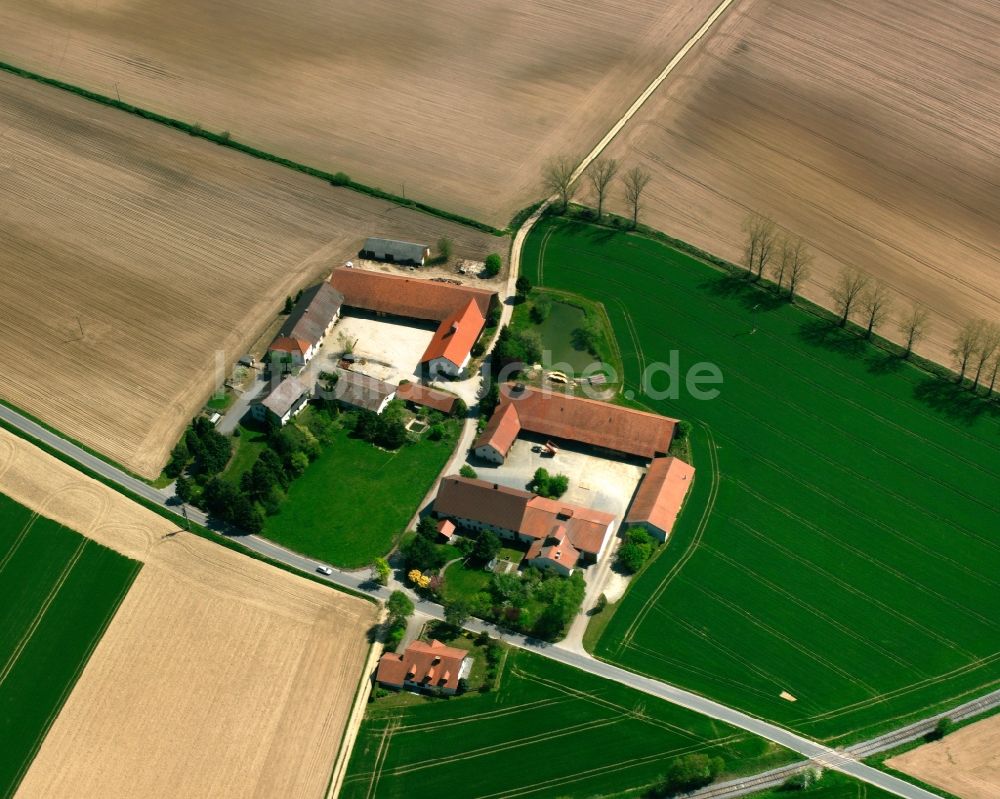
{"x":58,"y":593}
{"x":850,"y":556}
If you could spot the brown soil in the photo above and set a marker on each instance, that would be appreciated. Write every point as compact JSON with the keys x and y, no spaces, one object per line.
{"x":965,"y":763}
{"x":219,"y":675}
{"x":138,"y":263}
{"x":870,"y":129}
{"x":451,"y":102}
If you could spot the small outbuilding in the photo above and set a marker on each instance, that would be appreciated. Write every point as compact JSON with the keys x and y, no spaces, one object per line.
{"x":357,"y":390}
{"x":391,"y":251}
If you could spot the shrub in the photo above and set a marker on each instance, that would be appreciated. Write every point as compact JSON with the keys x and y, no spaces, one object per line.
{"x":522,"y":286}
{"x":493,"y":264}
{"x":468,"y":471}
{"x":636,"y":549}
{"x":691,"y":772}
{"x":541,"y":309}
{"x":478,"y":349}
{"x":460,"y":408}
{"x":340,"y":179}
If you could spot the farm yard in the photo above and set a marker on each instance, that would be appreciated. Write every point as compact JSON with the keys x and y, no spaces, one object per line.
{"x":869,"y":129}
{"x":218,"y":676}
{"x":454,"y":104}
{"x":139,"y":263}
{"x":839,"y":540}
{"x":548,"y":730}
{"x":58,"y":591}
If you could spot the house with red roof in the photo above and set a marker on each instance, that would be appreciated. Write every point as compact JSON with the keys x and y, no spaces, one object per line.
{"x":660,"y":496}
{"x":562,"y":416}
{"x":425,"y":666}
{"x":549,"y":526}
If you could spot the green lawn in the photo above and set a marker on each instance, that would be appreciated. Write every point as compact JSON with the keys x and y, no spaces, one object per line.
{"x":548,"y":731}
{"x":250,"y":443}
{"x":464,"y":583}
{"x":58,"y":592}
{"x":354,"y":501}
{"x":841,"y":538}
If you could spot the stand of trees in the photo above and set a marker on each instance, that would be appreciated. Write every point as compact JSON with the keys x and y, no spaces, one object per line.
{"x":636,"y":549}
{"x":548,"y":485}
{"x":688,"y":773}
{"x":531,"y":602}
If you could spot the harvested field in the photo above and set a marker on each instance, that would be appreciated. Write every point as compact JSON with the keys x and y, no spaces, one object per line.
{"x":870,"y":129}
{"x":965,"y":763}
{"x":453,"y":103}
{"x":219,"y":675}
{"x":137,"y":262}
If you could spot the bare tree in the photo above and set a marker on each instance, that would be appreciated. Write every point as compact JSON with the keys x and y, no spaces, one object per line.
{"x":850,"y":284}
{"x":913,"y":326}
{"x":994,"y":371}
{"x":989,"y":342}
{"x":799,"y":268}
{"x":792,"y":256}
{"x":761,"y":240}
{"x":635,"y":180}
{"x":966,"y":344}
{"x":557,"y":178}
{"x":601,"y":173}
{"x":875,"y":300}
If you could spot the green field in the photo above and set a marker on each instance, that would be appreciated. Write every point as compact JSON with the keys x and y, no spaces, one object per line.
{"x":354,"y":501}
{"x":841,"y":539}
{"x":548,"y":731}
{"x":58,"y":592}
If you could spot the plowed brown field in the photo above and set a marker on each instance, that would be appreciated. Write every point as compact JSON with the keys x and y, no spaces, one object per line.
{"x":965,"y":763}
{"x":872,"y":129}
{"x":457,"y":102}
{"x":219,"y":675}
{"x":137,"y":262}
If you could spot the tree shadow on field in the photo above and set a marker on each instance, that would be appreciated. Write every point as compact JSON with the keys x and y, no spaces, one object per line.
{"x":885,"y":363}
{"x":957,"y":402}
{"x":750,"y":295}
{"x":830,"y":336}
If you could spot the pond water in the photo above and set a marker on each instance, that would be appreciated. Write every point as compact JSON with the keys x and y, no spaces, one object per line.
{"x":557,"y":336}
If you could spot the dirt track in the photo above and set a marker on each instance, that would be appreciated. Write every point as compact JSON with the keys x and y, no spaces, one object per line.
{"x":219,"y":675}
{"x":965,"y":763}
{"x":461,"y":102}
{"x":130,"y":255}
{"x":869,"y":129}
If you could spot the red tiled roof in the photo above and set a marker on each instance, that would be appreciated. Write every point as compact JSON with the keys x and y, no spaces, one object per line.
{"x":588,"y":421}
{"x":523,"y":512}
{"x":661,"y":493}
{"x":428,"y":397}
{"x":501,"y":431}
{"x":288,"y":344}
{"x":556,"y":547}
{"x":431,"y":664}
{"x":406,"y":296}
{"x":446,"y":529}
{"x":458,"y":332}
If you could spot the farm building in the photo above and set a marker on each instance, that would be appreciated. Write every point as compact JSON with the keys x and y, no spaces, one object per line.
{"x":357,"y":390}
{"x":451,"y":348}
{"x":523,"y":516}
{"x":395,"y":252}
{"x":660,"y":496}
{"x":598,"y":424}
{"x":461,"y":311}
{"x":425,"y":666}
{"x":283,"y":403}
{"x":306,"y":326}
{"x":423,"y":396}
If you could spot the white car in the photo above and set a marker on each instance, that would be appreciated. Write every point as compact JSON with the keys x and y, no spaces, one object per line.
{"x":324,"y":570}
